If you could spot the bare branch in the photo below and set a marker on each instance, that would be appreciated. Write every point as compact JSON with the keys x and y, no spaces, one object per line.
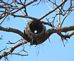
{"x":12,"y":8}
{"x":48,"y":23}
{"x":19,"y":54}
{"x":64,"y":29}
{"x":12,"y":49}
{"x":71,"y":34}
{"x":12,"y":30}
{"x":22,"y":16}
{"x":24,"y":6}
{"x":40,"y":39}
{"x":53,"y":10}
{"x":68,"y":13}
{"x":23,"y":35}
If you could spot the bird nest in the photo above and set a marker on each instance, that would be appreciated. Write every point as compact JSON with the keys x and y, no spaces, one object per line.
{"x":34,"y":30}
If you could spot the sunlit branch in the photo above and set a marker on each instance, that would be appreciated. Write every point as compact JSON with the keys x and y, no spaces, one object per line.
{"x":12,"y":30}
{"x":63,"y":29}
{"x":53,"y":10}
{"x":24,"y":6}
{"x":25,"y":16}
{"x":12,"y":49}
{"x":39,"y":39}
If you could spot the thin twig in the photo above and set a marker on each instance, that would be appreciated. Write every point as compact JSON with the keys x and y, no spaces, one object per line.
{"x":52,"y":10}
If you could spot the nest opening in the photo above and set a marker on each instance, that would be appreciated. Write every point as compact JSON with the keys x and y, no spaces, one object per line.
{"x":36,"y":27}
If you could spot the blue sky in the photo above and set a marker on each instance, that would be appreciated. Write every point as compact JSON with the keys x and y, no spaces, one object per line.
{"x":47,"y":51}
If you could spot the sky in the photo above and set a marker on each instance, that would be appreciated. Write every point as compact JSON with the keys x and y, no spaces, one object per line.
{"x":50,"y":50}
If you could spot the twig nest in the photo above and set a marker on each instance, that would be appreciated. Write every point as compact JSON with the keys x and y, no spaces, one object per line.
{"x":35,"y":29}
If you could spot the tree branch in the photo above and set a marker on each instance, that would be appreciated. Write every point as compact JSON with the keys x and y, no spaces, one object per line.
{"x":47,"y":34}
{"x":12,"y":9}
{"x":23,"y":35}
{"x":12,"y":49}
{"x":64,"y":29}
{"x":53,"y":10}
{"x":26,"y":16}
{"x":38,"y":40}
{"x":12,"y":30}
{"x":24,"y":6}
